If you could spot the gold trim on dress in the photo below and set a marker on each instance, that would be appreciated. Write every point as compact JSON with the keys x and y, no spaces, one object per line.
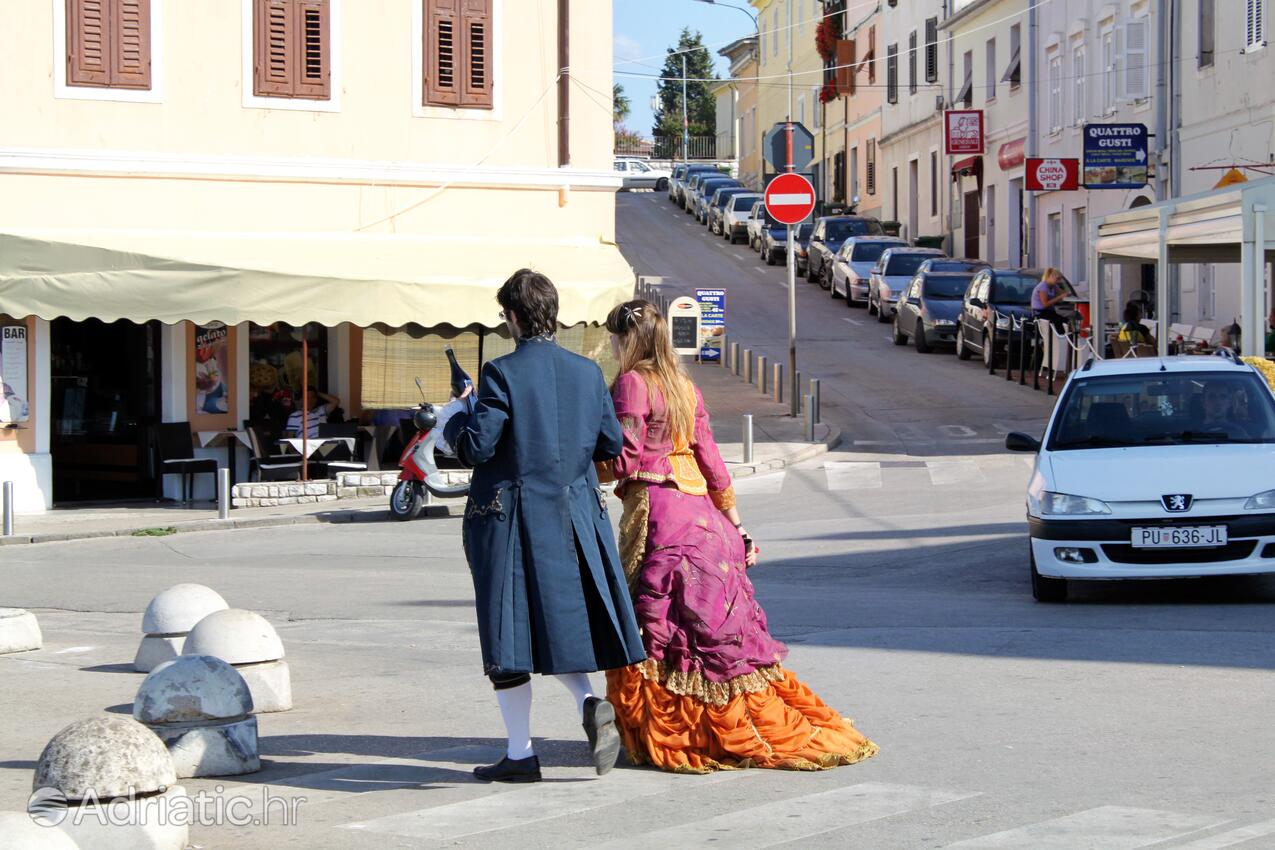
{"x":693,"y":683}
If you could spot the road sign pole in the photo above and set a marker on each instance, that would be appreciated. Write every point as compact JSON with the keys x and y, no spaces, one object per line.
{"x":793,"y":397}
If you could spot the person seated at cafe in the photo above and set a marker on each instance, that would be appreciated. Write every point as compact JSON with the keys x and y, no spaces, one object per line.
{"x":1132,"y":331}
{"x":1046,"y":295}
{"x":320,"y":406}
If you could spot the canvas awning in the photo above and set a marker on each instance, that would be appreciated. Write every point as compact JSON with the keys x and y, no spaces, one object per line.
{"x":327,"y":278}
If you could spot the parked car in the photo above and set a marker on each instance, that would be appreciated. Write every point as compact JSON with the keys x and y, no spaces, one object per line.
{"x":774,"y":241}
{"x":679,"y":174}
{"x":1005,"y":294}
{"x":715,"y":209}
{"x":679,"y":185}
{"x":852,"y":266}
{"x":695,"y":183}
{"x":928,"y":309}
{"x":734,"y":225}
{"x":704,"y":195}
{"x":825,"y":241}
{"x":891,"y":274}
{"x":640,"y":175}
{"x":758,"y":220}
{"x":1152,"y":468}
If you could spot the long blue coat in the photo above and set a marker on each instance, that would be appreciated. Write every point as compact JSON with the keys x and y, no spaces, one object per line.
{"x":548,"y":584}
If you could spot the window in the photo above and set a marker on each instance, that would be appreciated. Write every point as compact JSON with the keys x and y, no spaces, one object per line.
{"x":871,"y":166}
{"x":1055,"y":93}
{"x":458,"y":50}
{"x":108,"y":43}
{"x":1109,"y":71}
{"x":1014,"y":74}
{"x":854,"y":173}
{"x":1055,"y":239}
{"x":801,"y":109}
{"x":966,"y":95}
{"x":931,"y":50}
{"x":816,"y":108}
{"x":934,"y":184}
{"x":912,"y":63}
{"x":291,"y":49}
{"x":892,"y":73}
{"x":1079,"y":97}
{"x":774,"y":32}
{"x":1079,"y":245}
{"x":1207,"y":34}
{"x":872,"y":54}
{"x":1136,"y":78}
{"x":1255,"y":25}
{"x":991,"y":68}
{"x":894,"y":192}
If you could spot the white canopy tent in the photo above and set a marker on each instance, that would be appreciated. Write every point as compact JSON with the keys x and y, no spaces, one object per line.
{"x":1228,"y":225}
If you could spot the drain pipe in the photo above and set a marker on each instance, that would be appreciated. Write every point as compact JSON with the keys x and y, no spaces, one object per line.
{"x":1028,"y":234}
{"x":564,"y":83}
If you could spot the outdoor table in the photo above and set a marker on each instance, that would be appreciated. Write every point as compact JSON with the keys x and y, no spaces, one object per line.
{"x":230,"y":438}
{"x":317,"y":444}
{"x":378,"y":434}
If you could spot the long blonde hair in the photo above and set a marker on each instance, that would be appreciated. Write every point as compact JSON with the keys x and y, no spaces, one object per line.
{"x":646,"y":347}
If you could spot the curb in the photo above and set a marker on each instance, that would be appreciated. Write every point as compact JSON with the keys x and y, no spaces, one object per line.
{"x":381,"y":514}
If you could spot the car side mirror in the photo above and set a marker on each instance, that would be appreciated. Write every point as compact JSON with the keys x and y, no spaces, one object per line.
{"x":1017,"y":441}
{"x":977,"y":302}
{"x":914,"y":301}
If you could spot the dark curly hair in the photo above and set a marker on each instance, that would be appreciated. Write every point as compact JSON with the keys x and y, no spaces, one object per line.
{"x":532,"y":298}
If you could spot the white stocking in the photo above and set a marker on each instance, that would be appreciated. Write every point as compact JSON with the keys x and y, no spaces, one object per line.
{"x":578,"y":684}
{"x":515,"y":709}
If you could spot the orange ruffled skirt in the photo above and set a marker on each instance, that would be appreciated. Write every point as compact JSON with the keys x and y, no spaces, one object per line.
{"x":783,"y":725}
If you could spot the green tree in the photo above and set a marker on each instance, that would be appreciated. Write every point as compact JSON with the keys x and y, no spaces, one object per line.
{"x":620,"y":106}
{"x":702,"y":114}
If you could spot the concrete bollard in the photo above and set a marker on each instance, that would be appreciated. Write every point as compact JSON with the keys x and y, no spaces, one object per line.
{"x":169,"y":618}
{"x":762,"y":375}
{"x":19,"y":631}
{"x":778,"y":383}
{"x":245,"y":640}
{"x":810,"y":419}
{"x":724,"y":360}
{"x":748,"y":366}
{"x":223,"y":493}
{"x":734,"y":358}
{"x":748,"y":438}
{"x":8,"y":508}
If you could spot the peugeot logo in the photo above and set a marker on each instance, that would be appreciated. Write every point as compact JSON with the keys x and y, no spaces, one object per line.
{"x":1176,"y":502}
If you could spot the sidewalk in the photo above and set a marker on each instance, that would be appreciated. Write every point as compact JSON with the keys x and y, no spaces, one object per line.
{"x":778,"y":442}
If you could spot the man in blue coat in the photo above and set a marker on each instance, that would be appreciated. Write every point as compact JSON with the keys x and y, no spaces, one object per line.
{"x":548,"y":584}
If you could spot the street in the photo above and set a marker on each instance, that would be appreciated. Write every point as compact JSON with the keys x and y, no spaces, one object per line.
{"x":894,"y":568}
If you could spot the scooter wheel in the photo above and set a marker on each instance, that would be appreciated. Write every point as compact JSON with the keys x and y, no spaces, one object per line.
{"x":407,"y":501}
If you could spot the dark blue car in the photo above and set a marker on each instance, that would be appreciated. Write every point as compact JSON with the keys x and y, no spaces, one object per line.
{"x":774,"y":242}
{"x":930,"y":306}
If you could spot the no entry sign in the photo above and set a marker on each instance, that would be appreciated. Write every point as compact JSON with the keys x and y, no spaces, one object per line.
{"x":790,"y":198}
{"x":1052,"y":175}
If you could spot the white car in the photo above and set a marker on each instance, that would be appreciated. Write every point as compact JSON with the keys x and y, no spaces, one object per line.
{"x":1153,"y":468}
{"x":735,"y":216}
{"x":756,"y":223}
{"x":640,"y":175}
{"x":853,"y":262}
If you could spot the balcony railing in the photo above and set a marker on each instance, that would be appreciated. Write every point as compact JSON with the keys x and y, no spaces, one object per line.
{"x":670,"y":147}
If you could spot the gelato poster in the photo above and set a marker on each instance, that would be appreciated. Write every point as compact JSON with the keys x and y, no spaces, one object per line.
{"x":13,"y":374}
{"x":212,"y":369}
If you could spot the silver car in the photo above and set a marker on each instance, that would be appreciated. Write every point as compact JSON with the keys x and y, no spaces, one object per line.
{"x":852,"y":266}
{"x":892,"y":273}
{"x":738,"y":209}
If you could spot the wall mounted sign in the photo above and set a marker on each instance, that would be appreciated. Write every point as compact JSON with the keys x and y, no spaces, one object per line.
{"x":14,"y":404}
{"x":963,"y":132}
{"x":1115,"y":156}
{"x":1052,"y":175}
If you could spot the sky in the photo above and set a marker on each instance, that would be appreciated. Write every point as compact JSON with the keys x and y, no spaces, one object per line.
{"x":645,"y":29}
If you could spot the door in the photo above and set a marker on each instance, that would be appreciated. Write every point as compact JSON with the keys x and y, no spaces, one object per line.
{"x":1017,"y":255}
{"x":991,"y":224}
{"x":914,"y":189}
{"x":972,"y":210}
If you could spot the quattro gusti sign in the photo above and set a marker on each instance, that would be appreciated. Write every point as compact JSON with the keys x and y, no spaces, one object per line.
{"x":1115,"y":156}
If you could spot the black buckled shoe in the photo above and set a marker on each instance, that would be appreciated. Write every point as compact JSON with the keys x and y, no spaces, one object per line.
{"x":510,"y":770}
{"x":604,"y":738}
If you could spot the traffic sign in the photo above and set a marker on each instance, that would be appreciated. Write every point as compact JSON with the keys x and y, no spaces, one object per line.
{"x":1052,"y":175}
{"x":790,"y":198}
{"x":775,"y":146}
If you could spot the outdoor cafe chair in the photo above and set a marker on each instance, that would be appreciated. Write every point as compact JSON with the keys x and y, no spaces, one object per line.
{"x":176,"y":445}
{"x":264,"y":466}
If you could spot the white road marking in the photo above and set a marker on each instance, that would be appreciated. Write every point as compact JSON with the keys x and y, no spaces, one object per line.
{"x":855,"y":322}
{"x":761,"y":272}
{"x":1232,"y":837}
{"x":853,"y":475}
{"x":75,"y":650}
{"x":787,"y":821}
{"x":1104,"y":828}
{"x":954,"y":472}
{"x":501,"y":810}
{"x":760,"y":485}
{"x":957,"y":431}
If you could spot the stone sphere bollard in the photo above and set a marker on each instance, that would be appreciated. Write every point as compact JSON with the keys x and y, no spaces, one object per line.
{"x":169,"y":617}
{"x":19,"y":632}
{"x":117,"y":783}
{"x":20,"y":832}
{"x":200,"y":707}
{"x":245,"y":640}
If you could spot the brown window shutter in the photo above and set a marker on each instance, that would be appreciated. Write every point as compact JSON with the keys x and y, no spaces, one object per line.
{"x":442,"y":52}
{"x":274,"y":47}
{"x":872,"y":54}
{"x":846,"y":70}
{"x":314,"y":47}
{"x":476,"y":35}
{"x":131,"y":44}
{"x":88,"y":27}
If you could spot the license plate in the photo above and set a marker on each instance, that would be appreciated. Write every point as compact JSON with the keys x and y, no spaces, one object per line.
{"x":1178,"y":537}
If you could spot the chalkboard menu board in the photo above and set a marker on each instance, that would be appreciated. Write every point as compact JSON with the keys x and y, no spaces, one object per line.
{"x":685,"y":332}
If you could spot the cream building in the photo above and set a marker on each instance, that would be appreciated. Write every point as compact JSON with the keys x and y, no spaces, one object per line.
{"x":989,"y":68}
{"x":738,"y":138}
{"x":188,"y":185}
{"x":853,"y":120}
{"x":790,"y":72}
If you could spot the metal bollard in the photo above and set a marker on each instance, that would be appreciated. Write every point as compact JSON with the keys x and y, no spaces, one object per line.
{"x":796,"y":390}
{"x":815,"y":394}
{"x":734,"y":358}
{"x":748,"y":365}
{"x":223,"y":493}
{"x":723,"y":360}
{"x":748,"y":438}
{"x":810,"y":419}
{"x":8,"y":509}
{"x":777,"y":385}
{"x":761,"y":373}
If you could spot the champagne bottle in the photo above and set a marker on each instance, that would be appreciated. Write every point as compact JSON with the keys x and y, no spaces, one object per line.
{"x":460,"y":379}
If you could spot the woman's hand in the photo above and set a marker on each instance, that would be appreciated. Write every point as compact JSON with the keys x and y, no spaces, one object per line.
{"x":750,"y":548}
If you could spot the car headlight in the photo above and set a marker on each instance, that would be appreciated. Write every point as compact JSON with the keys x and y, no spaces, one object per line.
{"x":1062,"y":504}
{"x":1261,"y":502}
{"x":1002,"y":323}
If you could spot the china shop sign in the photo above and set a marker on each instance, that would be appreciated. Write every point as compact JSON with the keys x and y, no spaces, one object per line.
{"x":963,"y":132}
{"x":1052,"y":175}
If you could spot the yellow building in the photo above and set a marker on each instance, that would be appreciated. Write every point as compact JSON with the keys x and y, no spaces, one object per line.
{"x":188,"y":185}
{"x":790,"y":72}
{"x":737,"y":109}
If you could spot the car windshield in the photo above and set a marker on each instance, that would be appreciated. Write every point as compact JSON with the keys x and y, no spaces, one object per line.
{"x":901,"y":264}
{"x":1160,"y":408}
{"x":869,"y":252}
{"x":946,"y":287}
{"x":743,"y":202}
{"x":1017,"y":288}
{"x":949,"y":266}
{"x":841,"y":229}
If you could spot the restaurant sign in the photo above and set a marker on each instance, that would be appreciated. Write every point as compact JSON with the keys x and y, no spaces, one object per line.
{"x":14,"y":405}
{"x":963,"y":132}
{"x":712,"y":323}
{"x":1115,"y":156}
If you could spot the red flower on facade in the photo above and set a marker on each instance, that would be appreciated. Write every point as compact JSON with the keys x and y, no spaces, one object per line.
{"x":826,"y":39}
{"x":827,"y":93}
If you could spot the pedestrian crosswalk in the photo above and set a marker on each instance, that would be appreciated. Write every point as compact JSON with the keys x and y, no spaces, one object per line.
{"x":842,"y":475}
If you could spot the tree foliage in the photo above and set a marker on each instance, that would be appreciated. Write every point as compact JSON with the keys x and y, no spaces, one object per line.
{"x":702,"y":114}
